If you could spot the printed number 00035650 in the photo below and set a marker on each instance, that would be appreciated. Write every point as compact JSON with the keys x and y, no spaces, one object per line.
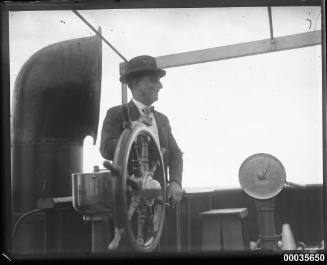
{"x":304,"y":257}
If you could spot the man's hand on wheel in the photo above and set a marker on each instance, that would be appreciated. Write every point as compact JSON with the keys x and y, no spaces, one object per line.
{"x":175,"y":192}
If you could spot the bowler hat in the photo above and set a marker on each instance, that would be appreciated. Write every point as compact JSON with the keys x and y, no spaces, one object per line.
{"x":143,"y":64}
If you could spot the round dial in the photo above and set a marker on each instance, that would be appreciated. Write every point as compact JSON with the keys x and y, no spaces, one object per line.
{"x":262,"y":176}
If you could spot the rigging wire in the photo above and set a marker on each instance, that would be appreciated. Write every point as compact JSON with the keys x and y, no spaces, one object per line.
{"x":107,"y":42}
{"x":270,"y":23}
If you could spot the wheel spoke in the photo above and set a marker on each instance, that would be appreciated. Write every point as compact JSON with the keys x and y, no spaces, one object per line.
{"x":132,"y":182}
{"x":136,"y":161}
{"x":150,"y":221}
{"x":140,"y":226}
{"x":151,"y":235}
{"x":155,"y":166}
{"x":156,"y":218}
{"x":145,"y":153}
{"x":135,"y":200}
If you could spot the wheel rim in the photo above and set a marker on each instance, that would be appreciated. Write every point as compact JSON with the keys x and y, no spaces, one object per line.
{"x":142,"y":194}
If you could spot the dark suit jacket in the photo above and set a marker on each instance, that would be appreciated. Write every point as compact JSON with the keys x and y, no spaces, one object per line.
{"x":113,"y":128}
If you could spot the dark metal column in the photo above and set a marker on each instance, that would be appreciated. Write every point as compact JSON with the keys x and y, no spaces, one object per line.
{"x":101,"y":236}
{"x":324,"y":113}
{"x":5,"y":128}
{"x":265,"y":209}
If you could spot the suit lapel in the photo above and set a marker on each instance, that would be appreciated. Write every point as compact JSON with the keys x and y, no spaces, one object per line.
{"x":160,"y":129}
{"x":134,"y":113}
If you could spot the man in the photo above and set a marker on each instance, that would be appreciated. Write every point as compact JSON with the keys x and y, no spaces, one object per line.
{"x":143,"y":78}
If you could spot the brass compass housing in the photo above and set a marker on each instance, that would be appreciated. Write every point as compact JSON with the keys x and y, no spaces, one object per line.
{"x":262,"y":176}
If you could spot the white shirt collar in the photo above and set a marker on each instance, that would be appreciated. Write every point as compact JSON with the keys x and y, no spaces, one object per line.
{"x":139,"y":105}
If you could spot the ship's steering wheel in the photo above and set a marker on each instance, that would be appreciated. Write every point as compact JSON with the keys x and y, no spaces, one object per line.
{"x":141,"y":195}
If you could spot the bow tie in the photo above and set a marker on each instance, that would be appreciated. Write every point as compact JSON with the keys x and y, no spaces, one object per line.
{"x":146,"y":118}
{"x":147,"y":110}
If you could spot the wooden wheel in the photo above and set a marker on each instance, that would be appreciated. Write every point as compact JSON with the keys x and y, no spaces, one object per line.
{"x":141,"y":197}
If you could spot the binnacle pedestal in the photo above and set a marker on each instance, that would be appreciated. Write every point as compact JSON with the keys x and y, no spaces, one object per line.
{"x":93,"y":198}
{"x":101,"y":235}
{"x":262,"y":176}
{"x":267,"y":236}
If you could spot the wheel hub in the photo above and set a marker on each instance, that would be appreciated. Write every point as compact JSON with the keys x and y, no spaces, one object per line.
{"x":151,"y":189}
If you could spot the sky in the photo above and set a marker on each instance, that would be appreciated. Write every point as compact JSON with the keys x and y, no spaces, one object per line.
{"x":220,"y":112}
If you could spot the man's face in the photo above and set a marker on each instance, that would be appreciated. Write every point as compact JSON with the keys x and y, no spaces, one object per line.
{"x":147,"y":89}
